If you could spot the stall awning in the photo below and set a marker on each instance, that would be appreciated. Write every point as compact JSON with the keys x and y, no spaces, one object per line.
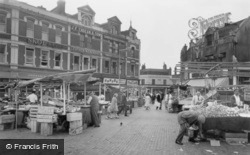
{"x":208,"y":82}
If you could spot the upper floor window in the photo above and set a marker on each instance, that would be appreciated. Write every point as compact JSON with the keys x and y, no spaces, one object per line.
{"x":3,"y":53}
{"x":30,"y":56}
{"x":132,"y":52}
{"x":143,"y":81}
{"x":89,"y":40}
{"x":45,"y":31}
{"x":3,"y":22}
{"x":115,"y":47}
{"x":94,"y":63}
{"x":76,"y":63}
{"x":133,"y":70}
{"x":106,"y":66}
{"x":165,"y":82}
{"x":30,"y":27}
{"x":132,"y":35}
{"x":120,"y":69}
{"x":113,"y":30}
{"x":85,"y":63}
{"x":44,"y":58}
{"x":153,"y":81}
{"x":114,"y":68}
{"x":58,"y":34}
{"x":58,"y":60}
{"x":86,"y":20}
{"x":209,"y":39}
{"x":82,"y":40}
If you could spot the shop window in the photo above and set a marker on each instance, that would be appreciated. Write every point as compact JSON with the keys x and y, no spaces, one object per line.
{"x":45,"y":58}
{"x":85,"y":63}
{"x":133,"y":70}
{"x":30,"y":56}
{"x":114,"y":68}
{"x":58,"y":60}
{"x":2,"y":53}
{"x":3,"y":22}
{"x":106,"y":67}
{"x":82,"y":40}
{"x":30,"y":27}
{"x":58,"y":34}
{"x":76,"y":65}
{"x":45,"y":31}
{"x":94,"y":63}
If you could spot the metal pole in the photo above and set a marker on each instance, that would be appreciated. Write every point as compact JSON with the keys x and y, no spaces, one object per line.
{"x":119,"y":68}
{"x":16,"y":107}
{"x":68,"y":91}
{"x":41,"y":94}
{"x":64,"y":98}
{"x":85,"y":94}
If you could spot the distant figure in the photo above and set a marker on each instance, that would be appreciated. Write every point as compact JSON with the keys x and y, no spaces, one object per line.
{"x":198,"y":99}
{"x":32,"y":97}
{"x":113,"y":108}
{"x":157,"y":101}
{"x":94,"y":107}
{"x":123,"y":104}
{"x":236,"y":99}
{"x":147,"y":101}
{"x":46,"y":97}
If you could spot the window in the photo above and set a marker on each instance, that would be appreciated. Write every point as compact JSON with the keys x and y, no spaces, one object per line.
{"x":165,"y":82}
{"x":2,"y":53}
{"x":86,"y":21}
{"x":45,"y":58}
{"x":113,"y":30}
{"x":153,"y":81}
{"x":89,"y":39}
{"x":120,"y":68}
{"x":82,"y":40}
{"x":209,"y":39}
{"x":132,"y":52}
{"x":58,"y":60}
{"x":114,"y":68}
{"x":76,"y":64}
{"x":29,"y":56}
{"x":133,"y":70}
{"x":30,"y":28}
{"x":58,"y":34}
{"x":85,"y":63}
{"x":45,"y":31}
{"x":106,"y":67}
{"x":94,"y":63}
{"x":115,"y":47}
{"x":3,"y":22}
{"x":143,"y":81}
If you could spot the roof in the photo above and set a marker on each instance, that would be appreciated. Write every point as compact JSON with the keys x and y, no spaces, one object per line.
{"x":87,"y":8}
{"x":115,"y":19}
{"x":155,"y":71}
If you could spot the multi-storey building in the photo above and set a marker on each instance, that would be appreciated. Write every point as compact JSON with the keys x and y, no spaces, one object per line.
{"x":155,"y":80}
{"x":35,"y":42}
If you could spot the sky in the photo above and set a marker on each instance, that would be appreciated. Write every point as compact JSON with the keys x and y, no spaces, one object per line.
{"x":162,"y":25}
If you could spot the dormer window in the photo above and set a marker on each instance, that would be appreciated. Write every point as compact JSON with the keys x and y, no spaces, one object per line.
{"x":209,"y":39}
{"x":86,"y":20}
{"x":113,"y":30}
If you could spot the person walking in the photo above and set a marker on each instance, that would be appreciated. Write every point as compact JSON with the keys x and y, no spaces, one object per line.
{"x":123,"y":104}
{"x":94,"y":107}
{"x":187,"y":119}
{"x":147,"y":101}
{"x":157,"y":101}
{"x":113,"y":108}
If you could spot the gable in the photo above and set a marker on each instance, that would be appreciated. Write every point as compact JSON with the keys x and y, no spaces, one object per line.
{"x":87,"y":9}
{"x":115,"y":20}
{"x":210,"y":30}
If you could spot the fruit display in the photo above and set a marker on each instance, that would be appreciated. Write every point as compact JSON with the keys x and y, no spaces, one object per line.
{"x":218,"y":111}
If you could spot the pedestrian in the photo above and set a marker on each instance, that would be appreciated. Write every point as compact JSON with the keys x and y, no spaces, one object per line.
{"x":187,"y":119}
{"x":198,"y":99}
{"x":147,"y":101}
{"x":161,"y":99}
{"x":170,"y":101}
{"x":157,"y":101}
{"x":94,"y":107}
{"x":123,"y":104}
{"x":32,"y":97}
{"x":113,"y":108}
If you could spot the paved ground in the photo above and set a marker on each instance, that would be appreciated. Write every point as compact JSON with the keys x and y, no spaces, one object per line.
{"x":142,"y":133}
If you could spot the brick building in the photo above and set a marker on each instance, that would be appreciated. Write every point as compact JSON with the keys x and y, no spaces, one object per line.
{"x":35,"y":42}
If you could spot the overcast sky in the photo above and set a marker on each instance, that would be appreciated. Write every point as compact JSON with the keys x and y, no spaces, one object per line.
{"x":162,"y":25}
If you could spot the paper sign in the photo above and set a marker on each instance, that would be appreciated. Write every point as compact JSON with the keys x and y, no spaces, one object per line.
{"x":215,"y":142}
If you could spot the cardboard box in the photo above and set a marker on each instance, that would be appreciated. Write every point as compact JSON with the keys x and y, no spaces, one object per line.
{"x":76,"y":116}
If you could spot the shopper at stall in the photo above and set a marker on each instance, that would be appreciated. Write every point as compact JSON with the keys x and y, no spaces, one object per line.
{"x":32,"y":97}
{"x":113,"y":108}
{"x":94,"y":107}
{"x":147,"y":101}
{"x":236,"y":99}
{"x":198,"y":99}
{"x":46,"y":98}
{"x":123,"y":104}
{"x":187,"y":119}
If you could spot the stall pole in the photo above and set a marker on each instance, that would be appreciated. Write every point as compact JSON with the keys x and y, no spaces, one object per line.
{"x":69,"y":91}
{"x":104,"y":93}
{"x":16,"y":106}
{"x":64,"y":98}
{"x":85,"y":94}
{"x":41,"y":94}
{"x":100,"y":90}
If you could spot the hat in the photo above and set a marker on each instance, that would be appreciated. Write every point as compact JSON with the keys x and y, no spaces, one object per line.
{"x":201,"y":119}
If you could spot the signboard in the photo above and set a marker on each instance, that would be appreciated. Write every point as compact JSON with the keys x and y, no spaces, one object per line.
{"x":113,"y":81}
{"x":84,"y":50}
{"x":86,"y":31}
{"x":200,"y":25}
{"x":132,"y":82}
{"x":247,"y":95}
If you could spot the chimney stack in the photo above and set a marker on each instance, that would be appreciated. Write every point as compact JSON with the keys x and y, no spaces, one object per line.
{"x":61,"y":6}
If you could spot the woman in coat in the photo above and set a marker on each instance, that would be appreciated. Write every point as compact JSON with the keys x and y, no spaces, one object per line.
{"x":113,"y":108}
{"x":147,"y":101}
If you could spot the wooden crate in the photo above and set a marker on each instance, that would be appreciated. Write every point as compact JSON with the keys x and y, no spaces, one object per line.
{"x":7,"y":126}
{"x":75,"y":131}
{"x":33,"y":111}
{"x":34,"y":125}
{"x":75,"y":124}
{"x":47,"y":118}
{"x":7,"y":119}
{"x":46,"y":110}
{"x":46,"y":129}
{"x":74,"y":116}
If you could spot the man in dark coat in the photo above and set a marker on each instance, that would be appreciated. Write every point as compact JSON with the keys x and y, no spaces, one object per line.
{"x":123,"y":104}
{"x":94,"y":107}
{"x":187,"y":119}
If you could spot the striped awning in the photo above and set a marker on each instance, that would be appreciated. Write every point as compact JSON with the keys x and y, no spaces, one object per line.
{"x":209,"y":82}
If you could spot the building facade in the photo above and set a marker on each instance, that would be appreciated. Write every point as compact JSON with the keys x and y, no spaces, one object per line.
{"x":155,"y":80}
{"x":35,"y":42}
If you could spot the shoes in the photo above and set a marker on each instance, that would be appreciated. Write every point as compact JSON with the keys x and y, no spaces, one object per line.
{"x":178,"y":142}
{"x":192,"y":140}
{"x":126,"y":115}
{"x":97,"y":126}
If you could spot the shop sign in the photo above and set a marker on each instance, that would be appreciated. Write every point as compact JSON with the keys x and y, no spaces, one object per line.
{"x":200,"y":25}
{"x":45,"y":43}
{"x":84,"y":50}
{"x":113,"y":81}
{"x":132,"y":82}
{"x":247,"y":95}
{"x":86,"y":31}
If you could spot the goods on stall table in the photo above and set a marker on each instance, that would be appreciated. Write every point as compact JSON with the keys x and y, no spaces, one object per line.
{"x":7,"y":121}
{"x":75,"y":120}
